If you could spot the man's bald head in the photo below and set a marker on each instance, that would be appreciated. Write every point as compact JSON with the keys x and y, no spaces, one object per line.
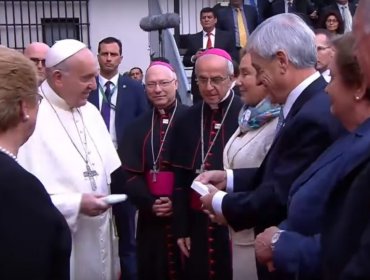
{"x":36,"y":52}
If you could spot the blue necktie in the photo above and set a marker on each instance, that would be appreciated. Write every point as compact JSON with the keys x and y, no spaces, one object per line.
{"x":280,"y":123}
{"x":106,"y":104}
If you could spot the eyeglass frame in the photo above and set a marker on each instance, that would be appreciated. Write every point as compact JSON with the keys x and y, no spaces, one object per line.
{"x":322,"y":48}
{"x":214,"y":81}
{"x":38,"y":60}
{"x":161,"y":84}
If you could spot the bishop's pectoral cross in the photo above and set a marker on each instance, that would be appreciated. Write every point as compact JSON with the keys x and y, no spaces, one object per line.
{"x":90,"y":174}
{"x":154,"y":172}
{"x":201,"y":169}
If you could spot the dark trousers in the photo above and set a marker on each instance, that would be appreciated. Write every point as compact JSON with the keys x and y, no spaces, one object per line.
{"x":124,"y":214}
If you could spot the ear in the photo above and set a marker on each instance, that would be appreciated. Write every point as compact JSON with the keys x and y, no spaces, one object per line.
{"x":361,"y":91}
{"x":24,"y":111}
{"x":282,"y":61}
{"x":57,"y":78}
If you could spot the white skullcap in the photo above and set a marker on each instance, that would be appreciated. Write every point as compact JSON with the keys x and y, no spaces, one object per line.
{"x":62,"y":50}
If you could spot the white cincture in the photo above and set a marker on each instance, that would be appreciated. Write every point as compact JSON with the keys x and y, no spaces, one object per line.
{"x":5,"y":151}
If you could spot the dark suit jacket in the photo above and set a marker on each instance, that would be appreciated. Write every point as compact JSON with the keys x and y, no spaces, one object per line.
{"x":131,"y":103}
{"x":225,"y":18}
{"x":300,"y":7}
{"x":298,"y":251}
{"x":345,"y":238}
{"x":309,"y":129}
{"x":35,"y":238}
{"x":223,"y":40}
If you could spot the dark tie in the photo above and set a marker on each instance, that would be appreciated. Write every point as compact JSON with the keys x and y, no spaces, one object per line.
{"x":105,"y":107}
{"x":209,"y":41}
{"x":280,"y":123}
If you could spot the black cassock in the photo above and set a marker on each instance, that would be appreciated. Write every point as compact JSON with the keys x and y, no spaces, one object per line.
{"x":157,"y":250}
{"x":210,"y":256}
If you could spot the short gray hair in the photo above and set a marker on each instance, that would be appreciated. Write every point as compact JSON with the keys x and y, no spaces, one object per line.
{"x":288,"y":33}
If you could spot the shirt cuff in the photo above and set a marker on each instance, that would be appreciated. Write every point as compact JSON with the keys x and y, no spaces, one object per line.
{"x":229,"y":181}
{"x":217,"y":202}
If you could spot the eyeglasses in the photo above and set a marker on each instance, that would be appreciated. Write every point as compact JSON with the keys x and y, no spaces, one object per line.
{"x":38,"y":60}
{"x":331,"y":21}
{"x":214,"y":81}
{"x":161,"y":84}
{"x":39,"y":98}
{"x":322,"y":48}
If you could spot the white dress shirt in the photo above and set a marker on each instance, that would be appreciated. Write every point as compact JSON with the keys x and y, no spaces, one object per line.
{"x":113,"y":101}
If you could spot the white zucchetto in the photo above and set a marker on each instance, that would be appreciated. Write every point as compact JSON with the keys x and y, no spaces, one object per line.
{"x":62,"y":50}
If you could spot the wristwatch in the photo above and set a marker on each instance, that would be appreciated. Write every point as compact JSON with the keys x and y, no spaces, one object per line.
{"x":275,"y":238}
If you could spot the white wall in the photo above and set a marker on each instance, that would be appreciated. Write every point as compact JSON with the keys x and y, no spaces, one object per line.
{"x":120,"y":19}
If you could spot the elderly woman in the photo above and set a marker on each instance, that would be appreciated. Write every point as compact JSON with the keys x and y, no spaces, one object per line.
{"x":293,"y":249}
{"x":35,"y":239}
{"x":247,"y":148}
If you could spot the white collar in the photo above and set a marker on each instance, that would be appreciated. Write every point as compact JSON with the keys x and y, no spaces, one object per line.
{"x":53,"y":97}
{"x":113,"y":80}
{"x":326,"y":75}
{"x":296,"y":92}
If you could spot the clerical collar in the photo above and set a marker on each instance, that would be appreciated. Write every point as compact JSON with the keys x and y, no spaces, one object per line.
{"x":216,"y":106}
{"x":53,"y":97}
{"x":114,"y":80}
{"x":168,"y":109}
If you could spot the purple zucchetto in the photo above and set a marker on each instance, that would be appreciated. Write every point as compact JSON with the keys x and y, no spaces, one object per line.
{"x":218,"y":52}
{"x":162,"y":63}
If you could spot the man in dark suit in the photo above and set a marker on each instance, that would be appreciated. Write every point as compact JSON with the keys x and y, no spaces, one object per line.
{"x":274,"y":7}
{"x":228,"y":20}
{"x":258,"y":197}
{"x":199,"y":41}
{"x":121,"y":100}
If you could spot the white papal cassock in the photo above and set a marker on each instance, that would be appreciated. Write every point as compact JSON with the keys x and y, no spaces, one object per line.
{"x":56,"y":153}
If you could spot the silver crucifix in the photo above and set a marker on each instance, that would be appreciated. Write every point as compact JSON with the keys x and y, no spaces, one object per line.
{"x":154,"y":172}
{"x":90,"y":174}
{"x":201,"y":169}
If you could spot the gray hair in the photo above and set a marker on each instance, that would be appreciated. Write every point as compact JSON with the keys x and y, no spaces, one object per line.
{"x":288,"y":33}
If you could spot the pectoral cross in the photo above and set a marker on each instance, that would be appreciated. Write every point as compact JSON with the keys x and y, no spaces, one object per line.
{"x":200,"y":170}
{"x":154,"y":172}
{"x":90,"y":174}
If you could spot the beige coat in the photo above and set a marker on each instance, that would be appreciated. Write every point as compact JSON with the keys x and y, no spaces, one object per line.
{"x":247,"y":151}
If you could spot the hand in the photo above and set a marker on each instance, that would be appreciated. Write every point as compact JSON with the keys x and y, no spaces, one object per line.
{"x":162,"y":207}
{"x":92,"y":205}
{"x":184,"y":245}
{"x":263,"y":248}
{"x":208,"y":209}
{"x":216,"y":178}
{"x":207,"y":199}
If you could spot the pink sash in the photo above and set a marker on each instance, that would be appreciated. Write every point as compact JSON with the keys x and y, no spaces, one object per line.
{"x":163,"y":183}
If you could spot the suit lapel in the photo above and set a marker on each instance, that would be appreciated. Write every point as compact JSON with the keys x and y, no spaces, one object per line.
{"x":120,"y":100}
{"x":314,"y":88}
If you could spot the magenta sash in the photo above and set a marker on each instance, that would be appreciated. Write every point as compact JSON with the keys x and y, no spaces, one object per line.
{"x":163,"y":183}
